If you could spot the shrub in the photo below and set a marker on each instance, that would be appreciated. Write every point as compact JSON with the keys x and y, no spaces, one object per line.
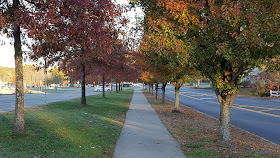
{"x":246,"y":83}
{"x":265,"y":94}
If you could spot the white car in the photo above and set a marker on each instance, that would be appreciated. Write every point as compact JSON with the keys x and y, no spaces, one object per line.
{"x":100,"y":89}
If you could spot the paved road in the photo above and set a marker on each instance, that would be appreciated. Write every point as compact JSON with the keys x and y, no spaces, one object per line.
{"x":7,"y":102}
{"x":258,"y":116}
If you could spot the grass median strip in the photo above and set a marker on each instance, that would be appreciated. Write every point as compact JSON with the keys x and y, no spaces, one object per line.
{"x":197,"y":134}
{"x":67,"y":129}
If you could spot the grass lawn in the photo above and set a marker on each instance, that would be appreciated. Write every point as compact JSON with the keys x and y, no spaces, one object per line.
{"x":67,"y":129}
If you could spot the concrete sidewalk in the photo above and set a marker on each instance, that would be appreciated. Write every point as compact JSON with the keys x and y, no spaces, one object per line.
{"x":144,"y":135}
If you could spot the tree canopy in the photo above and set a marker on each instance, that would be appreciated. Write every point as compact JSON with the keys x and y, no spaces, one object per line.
{"x":225,"y":40}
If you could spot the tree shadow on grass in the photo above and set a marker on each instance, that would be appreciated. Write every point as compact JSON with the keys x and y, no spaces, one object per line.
{"x":66,"y":129}
{"x":50,"y":134}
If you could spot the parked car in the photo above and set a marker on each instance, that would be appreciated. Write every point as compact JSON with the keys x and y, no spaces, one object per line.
{"x":100,"y":88}
{"x":90,"y":85}
{"x":26,"y":91}
{"x":106,"y":85}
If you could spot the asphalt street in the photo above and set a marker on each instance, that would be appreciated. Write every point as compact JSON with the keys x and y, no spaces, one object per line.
{"x":7,"y":102}
{"x":258,"y":116}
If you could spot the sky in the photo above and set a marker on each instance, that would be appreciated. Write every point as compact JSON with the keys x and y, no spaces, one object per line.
{"x":7,"y":50}
{"x":6,"y":53}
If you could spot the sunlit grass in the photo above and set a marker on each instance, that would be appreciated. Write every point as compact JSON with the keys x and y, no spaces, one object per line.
{"x":68,"y":129}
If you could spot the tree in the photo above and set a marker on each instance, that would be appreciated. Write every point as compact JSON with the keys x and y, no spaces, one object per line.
{"x":160,"y":72}
{"x":17,"y":17}
{"x":114,"y":65}
{"x":6,"y":74}
{"x":228,"y":39}
{"x":56,"y":76}
{"x":82,"y":29}
{"x":32,"y":75}
{"x":163,"y":44}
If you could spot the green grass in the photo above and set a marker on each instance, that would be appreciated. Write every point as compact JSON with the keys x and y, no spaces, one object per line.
{"x":199,"y":144}
{"x":201,"y":153}
{"x":67,"y":129}
{"x":195,"y":145}
{"x":155,"y":102}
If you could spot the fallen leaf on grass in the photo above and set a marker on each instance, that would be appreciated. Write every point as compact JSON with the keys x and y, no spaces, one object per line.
{"x":106,"y":153}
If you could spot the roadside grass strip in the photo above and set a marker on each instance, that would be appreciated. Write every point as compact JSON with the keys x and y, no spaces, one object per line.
{"x":198,"y":137}
{"x":67,"y":128}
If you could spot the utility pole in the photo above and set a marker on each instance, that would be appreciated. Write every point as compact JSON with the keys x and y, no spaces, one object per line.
{"x":45,"y":81}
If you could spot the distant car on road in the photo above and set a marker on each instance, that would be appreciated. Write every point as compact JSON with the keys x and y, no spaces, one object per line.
{"x":100,"y":88}
{"x":26,"y":91}
{"x":90,"y":85}
{"x":127,"y":85}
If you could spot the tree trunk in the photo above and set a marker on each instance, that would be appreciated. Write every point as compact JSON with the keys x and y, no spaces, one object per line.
{"x":111,"y":86}
{"x":177,"y":88}
{"x":19,"y":126}
{"x":121,"y":86}
{"x":152,"y":89}
{"x":117,"y":87}
{"x":83,"y":99}
{"x":149,"y":85}
{"x":103,"y":86}
{"x":156,"y":90}
{"x":226,"y":102}
{"x":163,"y":92}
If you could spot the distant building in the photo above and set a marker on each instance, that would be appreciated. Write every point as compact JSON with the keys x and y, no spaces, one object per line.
{"x":254,"y":72}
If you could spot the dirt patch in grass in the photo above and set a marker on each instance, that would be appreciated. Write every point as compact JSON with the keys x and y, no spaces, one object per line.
{"x":197,"y":134}
{"x":34,"y":108}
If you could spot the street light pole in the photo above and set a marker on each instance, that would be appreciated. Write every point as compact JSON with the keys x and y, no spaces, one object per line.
{"x":45,"y":81}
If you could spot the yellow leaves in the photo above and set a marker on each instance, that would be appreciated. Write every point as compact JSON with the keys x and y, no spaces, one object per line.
{"x":227,"y":73}
{"x":226,"y":80}
{"x":262,"y":67}
{"x":147,"y":76}
{"x":270,"y":45}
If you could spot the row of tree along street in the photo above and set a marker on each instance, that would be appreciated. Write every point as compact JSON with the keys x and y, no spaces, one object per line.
{"x":220,"y":40}
{"x":182,"y":40}
{"x":33,"y":77}
{"x":81,"y":37}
